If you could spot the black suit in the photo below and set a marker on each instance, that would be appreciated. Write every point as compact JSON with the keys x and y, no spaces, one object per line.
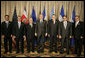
{"x":53,"y":32}
{"x":30,"y":31}
{"x":41,"y":29}
{"x":18,"y":32}
{"x":6,"y":31}
{"x":78,"y":32}
{"x":65,"y":34}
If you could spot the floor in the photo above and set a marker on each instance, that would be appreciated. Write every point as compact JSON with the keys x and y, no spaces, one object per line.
{"x":35,"y":54}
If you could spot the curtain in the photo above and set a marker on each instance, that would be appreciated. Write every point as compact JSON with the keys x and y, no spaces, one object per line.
{"x":7,"y":8}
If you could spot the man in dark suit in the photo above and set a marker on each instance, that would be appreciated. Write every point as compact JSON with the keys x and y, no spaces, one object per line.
{"x":40,"y":32}
{"x":18,"y":33}
{"x":6,"y":34}
{"x":65,"y":33}
{"x":78,"y":35}
{"x":30,"y":33}
{"x":53,"y":33}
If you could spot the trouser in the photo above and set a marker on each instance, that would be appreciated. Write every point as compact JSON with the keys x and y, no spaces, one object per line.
{"x":40,"y":43}
{"x":6,"y":40}
{"x":78,"y":46}
{"x":31,"y":40}
{"x":53,"y":40}
{"x":67,"y":44}
{"x":21,"y":40}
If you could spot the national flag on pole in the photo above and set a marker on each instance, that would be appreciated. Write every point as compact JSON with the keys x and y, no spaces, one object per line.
{"x":34,"y":15}
{"x":73,"y":16}
{"x":14,"y":19}
{"x":14,"y":15}
{"x":52,"y":12}
{"x":44,"y":15}
{"x":24,"y":16}
{"x":72,"y":20}
{"x":61,"y":14}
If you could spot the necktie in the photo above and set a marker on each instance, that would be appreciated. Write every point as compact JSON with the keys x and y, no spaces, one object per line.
{"x":7,"y":25}
{"x":65,"y":24}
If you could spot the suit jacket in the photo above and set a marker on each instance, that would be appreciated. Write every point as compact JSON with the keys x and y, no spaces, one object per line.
{"x":4,"y":30}
{"x":41,"y":29}
{"x":65,"y":32}
{"x":30,"y":31}
{"x":53,"y":28}
{"x":18,"y":32}
{"x":79,"y":30}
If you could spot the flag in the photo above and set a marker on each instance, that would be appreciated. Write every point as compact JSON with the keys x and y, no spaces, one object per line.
{"x":52,"y":12}
{"x":14,"y":19}
{"x":14,"y":15}
{"x":73,"y":16}
{"x":61,"y":14}
{"x":34,"y":15}
{"x":72,"y":20}
{"x":44,"y":15}
{"x":24,"y":16}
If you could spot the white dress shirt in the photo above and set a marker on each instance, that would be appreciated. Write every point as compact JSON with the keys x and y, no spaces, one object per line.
{"x":76,"y":23}
{"x":19,"y":24}
{"x":65,"y":24}
{"x":7,"y":23}
{"x":54,"y":21}
{"x":41,"y":20}
{"x":31,"y":25}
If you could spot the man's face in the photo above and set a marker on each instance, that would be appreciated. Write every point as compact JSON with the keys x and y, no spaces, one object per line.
{"x":64,"y":19}
{"x":53,"y":17}
{"x":30,"y":20}
{"x":76,"y":18}
{"x":6,"y":18}
{"x":41,"y":16}
{"x":19,"y":18}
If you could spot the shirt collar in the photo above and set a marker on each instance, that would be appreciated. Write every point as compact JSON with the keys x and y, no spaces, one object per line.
{"x":19,"y":22}
{"x":41,"y":20}
{"x":65,"y":21}
{"x":77,"y":22}
{"x":7,"y":21}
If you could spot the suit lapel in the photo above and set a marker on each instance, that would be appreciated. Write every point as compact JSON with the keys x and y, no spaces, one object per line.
{"x":77,"y":24}
{"x":17,"y":25}
{"x":5,"y":24}
{"x":20,"y":25}
{"x":63,"y":25}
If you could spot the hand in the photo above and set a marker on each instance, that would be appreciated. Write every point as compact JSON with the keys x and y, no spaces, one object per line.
{"x":35,"y":34}
{"x":60,"y":36}
{"x":57,"y":36}
{"x":3,"y":36}
{"x":81,"y":37}
{"x":45,"y":34}
{"x":13,"y":37}
{"x":24,"y":38}
{"x":70,"y":36}
{"x":48,"y":35}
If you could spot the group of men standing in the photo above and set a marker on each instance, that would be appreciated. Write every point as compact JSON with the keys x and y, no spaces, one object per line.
{"x":53,"y":29}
